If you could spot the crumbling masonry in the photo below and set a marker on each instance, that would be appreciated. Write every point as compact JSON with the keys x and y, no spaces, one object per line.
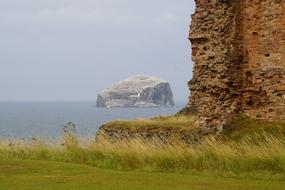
{"x":238,"y":47}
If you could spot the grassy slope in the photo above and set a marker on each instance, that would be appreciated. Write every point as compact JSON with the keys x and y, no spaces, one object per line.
{"x":163,"y":122}
{"x":240,"y":128}
{"x":38,"y":175}
{"x":244,"y":127}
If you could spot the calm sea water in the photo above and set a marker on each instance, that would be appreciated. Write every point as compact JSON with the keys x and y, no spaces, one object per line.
{"x":24,"y":119}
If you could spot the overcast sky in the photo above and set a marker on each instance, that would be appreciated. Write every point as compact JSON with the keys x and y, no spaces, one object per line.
{"x":69,"y":50}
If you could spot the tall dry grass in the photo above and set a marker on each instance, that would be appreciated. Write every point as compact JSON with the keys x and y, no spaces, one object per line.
{"x":248,"y":157}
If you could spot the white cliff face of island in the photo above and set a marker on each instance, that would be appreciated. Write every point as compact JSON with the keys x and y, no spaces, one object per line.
{"x":137,"y":91}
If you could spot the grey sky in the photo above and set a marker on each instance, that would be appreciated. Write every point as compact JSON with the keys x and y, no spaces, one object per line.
{"x":54,"y":50}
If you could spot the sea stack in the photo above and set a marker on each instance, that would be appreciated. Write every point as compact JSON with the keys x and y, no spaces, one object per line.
{"x":137,"y":91}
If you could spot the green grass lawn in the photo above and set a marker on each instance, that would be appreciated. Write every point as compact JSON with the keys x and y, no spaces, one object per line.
{"x":37,"y":175}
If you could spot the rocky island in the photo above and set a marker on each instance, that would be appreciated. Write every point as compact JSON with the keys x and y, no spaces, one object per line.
{"x":137,"y":91}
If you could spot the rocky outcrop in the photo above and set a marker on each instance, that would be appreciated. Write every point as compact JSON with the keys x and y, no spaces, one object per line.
{"x":164,"y":134}
{"x":137,"y":91}
{"x":238,"y":47}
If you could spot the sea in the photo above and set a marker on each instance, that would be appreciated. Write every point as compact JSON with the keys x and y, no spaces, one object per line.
{"x":46,"y":119}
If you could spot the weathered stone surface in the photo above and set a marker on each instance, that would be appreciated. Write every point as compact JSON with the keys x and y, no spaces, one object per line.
{"x":238,"y":47}
{"x":164,"y":134}
{"x":137,"y":91}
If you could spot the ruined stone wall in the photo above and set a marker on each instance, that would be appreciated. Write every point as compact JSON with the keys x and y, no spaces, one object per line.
{"x":238,"y":47}
{"x":264,"y":58}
